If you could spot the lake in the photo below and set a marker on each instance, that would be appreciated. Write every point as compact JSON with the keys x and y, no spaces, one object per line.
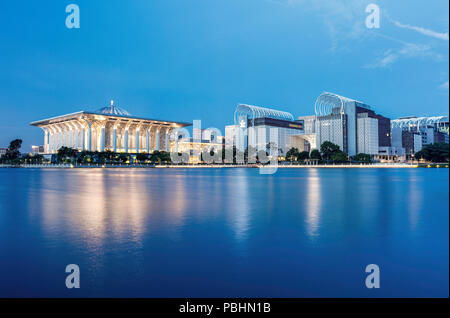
{"x":224,"y":232}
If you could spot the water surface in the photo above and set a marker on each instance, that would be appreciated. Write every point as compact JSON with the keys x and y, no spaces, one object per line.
{"x":224,"y":232}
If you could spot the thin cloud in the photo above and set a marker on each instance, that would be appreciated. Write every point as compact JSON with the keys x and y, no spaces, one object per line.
{"x":344,"y":21}
{"x":427,"y":32}
{"x":409,"y":50}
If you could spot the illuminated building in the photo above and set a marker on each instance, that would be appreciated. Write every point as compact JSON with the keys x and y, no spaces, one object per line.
{"x":412,"y":133}
{"x":37,"y":149}
{"x":109,"y":128}
{"x":257,"y":127}
{"x":350,"y":124}
{"x":196,"y":147}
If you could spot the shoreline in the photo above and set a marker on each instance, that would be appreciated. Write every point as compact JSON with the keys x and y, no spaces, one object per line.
{"x":219,"y":166}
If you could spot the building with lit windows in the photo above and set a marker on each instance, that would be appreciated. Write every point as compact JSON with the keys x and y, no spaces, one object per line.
{"x":37,"y":149}
{"x":109,"y":128}
{"x":195,"y":148}
{"x":350,"y":124}
{"x":412,"y":133}
{"x":258,"y":127}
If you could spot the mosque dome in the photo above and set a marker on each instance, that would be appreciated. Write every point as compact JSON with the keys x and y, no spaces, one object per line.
{"x":113,"y":110}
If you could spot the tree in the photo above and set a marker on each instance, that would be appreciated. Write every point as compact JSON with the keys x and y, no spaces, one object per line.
{"x":438,"y":152}
{"x":328,"y":149}
{"x":362,"y":157}
{"x":339,"y":156}
{"x":87,"y":159}
{"x":302,"y":156}
{"x":106,"y":156}
{"x":160,"y":157}
{"x":123,"y":157}
{"x":65,"y":153}
{"x":165,"y":157}
{"x":292,"y":154}
{"x":36,"y":158}
{"x":13,"y":153}
{"x":142,"y":157}
{"x":315,"y":154}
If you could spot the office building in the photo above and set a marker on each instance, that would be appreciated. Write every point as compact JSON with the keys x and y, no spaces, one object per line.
{"x":258,"y":127}
{"x":350,"y":124}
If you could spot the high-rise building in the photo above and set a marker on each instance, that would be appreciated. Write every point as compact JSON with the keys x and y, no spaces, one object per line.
{"x":367,"y":134}
{"x":412,"y":133}
{"x":258,"y":127}
{"x":440,"y":137}
{"x":411,"y":141}
{"x":350,"y":124}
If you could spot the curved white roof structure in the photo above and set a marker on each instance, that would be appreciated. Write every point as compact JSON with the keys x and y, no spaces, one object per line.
{"x":418,"y":123}
{"x":113,"y":110}
{"x":327,"y":101}
{"x":253,"y":112}
{"x":109,"y":128}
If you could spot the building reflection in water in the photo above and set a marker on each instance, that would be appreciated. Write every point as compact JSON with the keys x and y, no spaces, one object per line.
{"x":172,"y":206}
{"x":238,"y":204}
{"x":92,"y":205}
{"x":414,"y":202}
{"x":313,"y":204}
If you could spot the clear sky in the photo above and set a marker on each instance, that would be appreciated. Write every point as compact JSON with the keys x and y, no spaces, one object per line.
{"x":196,"y":59}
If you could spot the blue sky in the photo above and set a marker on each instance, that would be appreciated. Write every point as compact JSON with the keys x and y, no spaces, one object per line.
{"x":196,"y":59}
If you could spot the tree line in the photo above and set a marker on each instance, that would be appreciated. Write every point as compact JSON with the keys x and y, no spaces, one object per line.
{"x":437,"y":152}
{"x":13,"y":155}
{"x":73,"y":156}
{"x":328,"y":153}
{"x":70,"y":155}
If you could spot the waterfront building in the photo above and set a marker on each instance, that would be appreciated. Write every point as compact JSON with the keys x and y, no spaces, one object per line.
{"x":195,"y":148}
{"x":367,"y":134}
{"x":390,"y":154}
{"x":410,"y":141}
{"x":109,"y":128}
{"x":257,"y":127}
{"x":307,"y":140}
{"x":350,"y":124}
{"x":37,"y":149}
{"x":428,"y":129}
{"x":3,"y":151}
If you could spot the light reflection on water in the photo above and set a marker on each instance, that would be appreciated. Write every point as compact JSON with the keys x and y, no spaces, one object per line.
{"x":239,"y":210}
{"x":415,"y":202}
{"x":224,"y":232}
{"x":313,"y":203}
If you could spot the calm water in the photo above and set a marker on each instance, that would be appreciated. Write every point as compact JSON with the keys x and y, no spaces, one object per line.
{"x":224,"y":232}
